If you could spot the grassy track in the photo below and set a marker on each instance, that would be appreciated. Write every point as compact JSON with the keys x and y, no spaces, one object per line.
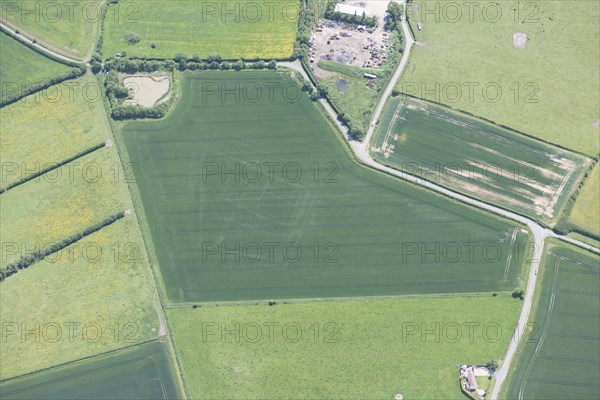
{"x":549,"y":89}
{"x":21,"y":66}
{"x":585,"y":213}
{"x":338,"y":229}
{"x":477,"y":158}
{"x":50,"y":126}
{"x":346,"y":350}
{"x":69,"y":28}
{"x":101,"y":281}
{"x":232,"y":29}
{"x":141,"y":372}
{"x":560,"y":358}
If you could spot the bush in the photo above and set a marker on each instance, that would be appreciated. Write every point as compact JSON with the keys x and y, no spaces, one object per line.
{"x":96,"y":67}
{"x":132,"y":38}
{"x":518,"y":294}
{"x":492,"y":365}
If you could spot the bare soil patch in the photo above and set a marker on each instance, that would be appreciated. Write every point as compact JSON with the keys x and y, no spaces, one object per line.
{"x":147,"y":90}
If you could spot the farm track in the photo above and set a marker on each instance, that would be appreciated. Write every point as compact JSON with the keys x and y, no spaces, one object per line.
{"x":44,"y":49}
{"x":361,"y":151}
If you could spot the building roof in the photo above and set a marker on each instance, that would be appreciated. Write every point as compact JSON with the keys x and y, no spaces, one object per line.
{"x":351,"y":10}
{"x":471,"y":380}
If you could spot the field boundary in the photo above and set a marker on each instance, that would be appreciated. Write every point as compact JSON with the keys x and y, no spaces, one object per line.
{"x":81,"y":359}
{"x":489,"y":121}
{"x":569,"y":226}
{"x":288,"y":301}
{"x":27,"y":261}
{"x":52,"y":167}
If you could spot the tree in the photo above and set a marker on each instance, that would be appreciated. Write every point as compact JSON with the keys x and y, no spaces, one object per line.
{"x":96,"y":67}
{"x":238,"y":65}
{"x":214,"y":57}
{"x":518,"y":294}
{"x":492,"y":365}
{"x":179,"y":57}
{"x":272,"y":64}
{"x":132,"y":37}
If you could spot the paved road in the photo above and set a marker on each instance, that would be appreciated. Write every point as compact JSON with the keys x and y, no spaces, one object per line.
{"x":361,"y":150}
{"x":38,"y":46}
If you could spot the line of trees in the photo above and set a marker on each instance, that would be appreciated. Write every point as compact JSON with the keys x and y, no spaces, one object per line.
{"x":28,"y":260}
{"x":36,"y":87}
{"x":117,"y":93}
{"x":182,"y":63}
{"x":52,"y":167}
{"x":333,"y":15}
{"x":393,"y":22}
{"x":307,"y":18}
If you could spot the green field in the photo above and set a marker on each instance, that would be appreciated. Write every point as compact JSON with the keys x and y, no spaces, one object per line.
{"x":247,"y":29}
{"x":548,"y":90}
{"x":50,"y":126}
{"x":560,"y":359}
{"x":69,"y":28}
{"x":141,"y":372}
{"x":336,"y":229}
{"x":63,"y":202}
{"x":477,"y":158}
{"x":339,"y":350}
{"x":585,"y":215}
{"x":102,"y":281}
{"x":21,"y":66}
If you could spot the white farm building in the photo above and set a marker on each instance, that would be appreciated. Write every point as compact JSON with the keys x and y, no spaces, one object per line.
{"x":351,"y":10}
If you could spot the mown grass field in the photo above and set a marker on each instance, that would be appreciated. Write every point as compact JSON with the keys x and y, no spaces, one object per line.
{"x":477,"y":158}
{"x":70,"y":28}
{"x":141,"y":372}
{"x":51,"y":126}
{"x":314,"y":223}
{"x":102,"y":283}
{"x":561,"y":358}
{"x":548,"y":90}
{"x":21,"y":66}
{"x":237,"y":29}
{"x":340,"y":350}
{"x":585,"y":213}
